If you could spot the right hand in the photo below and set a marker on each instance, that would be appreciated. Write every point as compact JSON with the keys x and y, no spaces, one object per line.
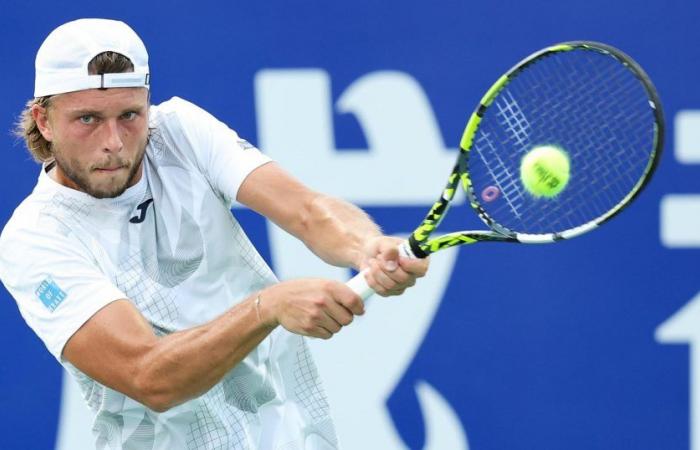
{"x":310,"y":307}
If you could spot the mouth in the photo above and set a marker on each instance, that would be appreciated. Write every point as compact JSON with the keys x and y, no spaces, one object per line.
{"x":109,"y":169}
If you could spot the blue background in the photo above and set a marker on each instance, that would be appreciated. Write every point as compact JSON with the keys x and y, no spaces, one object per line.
{"x":545,"y":347}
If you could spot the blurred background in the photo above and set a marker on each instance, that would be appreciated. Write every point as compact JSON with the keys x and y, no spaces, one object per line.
{"x":589,"y":343}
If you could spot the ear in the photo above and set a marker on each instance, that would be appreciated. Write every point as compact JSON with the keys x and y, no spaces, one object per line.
{"x":41,"y":117}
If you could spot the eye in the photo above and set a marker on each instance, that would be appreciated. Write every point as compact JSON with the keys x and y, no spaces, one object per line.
{"x":130,"y":115}
{"x":87,"y":119}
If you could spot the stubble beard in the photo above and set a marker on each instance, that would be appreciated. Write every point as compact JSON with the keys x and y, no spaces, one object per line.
{"x":79,"y":174}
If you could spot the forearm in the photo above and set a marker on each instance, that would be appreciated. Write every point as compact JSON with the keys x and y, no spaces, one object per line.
{"x":185,"y":364}
{"x":336,"y":231}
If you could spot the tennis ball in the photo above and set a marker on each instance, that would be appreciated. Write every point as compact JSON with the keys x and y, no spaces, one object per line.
{"x":544,"y":171}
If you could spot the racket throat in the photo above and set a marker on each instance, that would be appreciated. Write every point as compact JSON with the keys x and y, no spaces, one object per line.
{"x":413,"y":250}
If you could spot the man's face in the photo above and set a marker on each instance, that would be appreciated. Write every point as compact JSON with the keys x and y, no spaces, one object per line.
{"x":98,"y":138}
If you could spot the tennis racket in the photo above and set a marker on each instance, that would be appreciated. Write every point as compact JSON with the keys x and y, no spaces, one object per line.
{"x":587,"y":98}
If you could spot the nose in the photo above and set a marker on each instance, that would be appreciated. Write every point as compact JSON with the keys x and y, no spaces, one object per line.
{"x":112,"y":140}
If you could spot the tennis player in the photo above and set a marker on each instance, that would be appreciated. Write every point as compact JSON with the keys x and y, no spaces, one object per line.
{"x":127,"y":263}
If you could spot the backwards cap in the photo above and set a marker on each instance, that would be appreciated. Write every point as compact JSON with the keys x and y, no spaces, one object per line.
{"x":62,"y":60}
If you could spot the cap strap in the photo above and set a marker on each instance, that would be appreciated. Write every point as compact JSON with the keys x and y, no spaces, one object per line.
{"x":61,"y":83}
{"x":115,"y":80}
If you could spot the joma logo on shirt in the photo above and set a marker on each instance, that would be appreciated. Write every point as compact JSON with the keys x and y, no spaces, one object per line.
{"x":143,"y":207}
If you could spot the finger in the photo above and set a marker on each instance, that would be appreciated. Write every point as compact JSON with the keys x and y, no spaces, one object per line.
{"x":399,"y":276}
{"x":320,"y":316}
{"x":388,"y":254}
{"x":379,"y":277}
{"x":371,"y":282}
{"x":320,"y":332}
{"x":309,"y":327}
{"x":415,"y":267}
{"x":395,"y":281}
{"x":397,"y":291}
{"x":330,"y":323}
{"x":340,"y":314}
{"x":385,"y":290}
{"x":400,"y":289}
{"x":319,"y":324}
{"x":348,"y":299}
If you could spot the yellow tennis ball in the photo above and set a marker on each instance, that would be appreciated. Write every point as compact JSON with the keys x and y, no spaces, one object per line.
{"x":544,"y":171}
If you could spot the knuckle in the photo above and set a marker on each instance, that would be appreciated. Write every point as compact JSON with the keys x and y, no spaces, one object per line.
{"x":320,"y":302}
{"x":326,"y":288}
{"x":309,"y":324}
{"x":404,"y":277}
{"x":407,"y":280}
{"x":356,"y":303}
{"x":424,"y":268}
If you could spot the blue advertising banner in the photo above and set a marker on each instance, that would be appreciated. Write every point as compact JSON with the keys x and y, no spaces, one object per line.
{"x":588,"y":343}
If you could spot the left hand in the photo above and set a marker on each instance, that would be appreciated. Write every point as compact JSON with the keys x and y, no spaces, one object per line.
{"x":386,"y":272}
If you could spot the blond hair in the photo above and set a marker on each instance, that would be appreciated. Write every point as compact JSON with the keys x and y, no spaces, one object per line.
{"x":26,"y":127}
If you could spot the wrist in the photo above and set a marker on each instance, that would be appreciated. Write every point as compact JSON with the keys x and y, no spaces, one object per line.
{"x":263,"y":309}
{"x":367,"y":250}
{"x":359,"y":258}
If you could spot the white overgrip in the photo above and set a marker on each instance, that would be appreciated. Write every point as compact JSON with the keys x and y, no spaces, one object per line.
{"x":358,"y":283}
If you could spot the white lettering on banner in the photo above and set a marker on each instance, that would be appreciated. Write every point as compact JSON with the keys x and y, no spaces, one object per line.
{"x":363,"y":364}
{"x":680,"y":228}
{"x":687,"y":136}
{"x":295,"y":121}
{"x":682,"y":328}
{"x":680,"y":221}
{"x":680,"y":213}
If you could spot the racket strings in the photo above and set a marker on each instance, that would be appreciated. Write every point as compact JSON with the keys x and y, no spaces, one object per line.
{"x":583,"y":101}
{"x":504,"y":179}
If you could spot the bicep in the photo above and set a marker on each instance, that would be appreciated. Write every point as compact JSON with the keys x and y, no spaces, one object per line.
{"x":111,"y":346}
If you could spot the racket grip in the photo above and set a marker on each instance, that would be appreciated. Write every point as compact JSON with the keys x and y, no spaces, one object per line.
{"x":358,"y":283}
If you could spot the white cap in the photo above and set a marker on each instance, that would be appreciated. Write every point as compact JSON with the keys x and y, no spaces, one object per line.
{"x":62,"y":60}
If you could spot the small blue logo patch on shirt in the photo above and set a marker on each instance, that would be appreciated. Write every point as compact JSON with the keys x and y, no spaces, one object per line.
{"x":50,"y":294}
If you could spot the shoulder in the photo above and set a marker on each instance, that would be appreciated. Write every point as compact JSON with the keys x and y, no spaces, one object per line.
{"x":178,"y":110}
{"x":33,"y":232}
{"x":25,"y":217}
{"x":43,"y":217}
{"x":184,"y":125}
{"x":173,"y":105}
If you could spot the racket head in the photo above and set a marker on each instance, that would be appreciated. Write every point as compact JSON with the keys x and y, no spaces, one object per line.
{"x":591,"y":100}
